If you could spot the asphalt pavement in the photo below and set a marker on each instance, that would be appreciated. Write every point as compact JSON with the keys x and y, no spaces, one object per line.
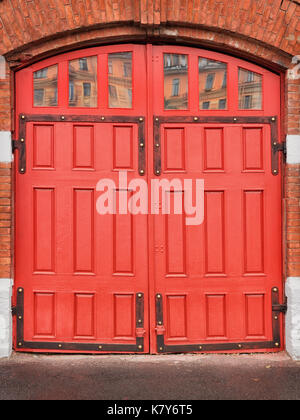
{"x":145,"y":377}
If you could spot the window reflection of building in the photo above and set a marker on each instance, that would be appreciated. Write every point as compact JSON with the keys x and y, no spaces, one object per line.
{"x":45,"y":86}
{"x":120,"y":80}
{"x":212,"y":84}
{"x":250,"y":90}
{"x":176,"y":81}
{"x":83,"y":82}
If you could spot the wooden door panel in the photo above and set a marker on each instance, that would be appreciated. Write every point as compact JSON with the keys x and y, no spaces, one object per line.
{"x":82,"y":277}
{"x":84,"y":270}
{"x":222,"y":272}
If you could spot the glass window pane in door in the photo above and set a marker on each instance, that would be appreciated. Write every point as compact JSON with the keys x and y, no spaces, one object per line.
{"x":83,"y":82}
{"x":250,"y":90}
{"x":120,"y":80}
{"x":176,"y":81}
{"x":212,"y":84}
{"x":45,"y":86}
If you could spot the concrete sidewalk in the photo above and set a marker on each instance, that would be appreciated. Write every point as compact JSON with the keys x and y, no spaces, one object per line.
{"x":139,"y":377}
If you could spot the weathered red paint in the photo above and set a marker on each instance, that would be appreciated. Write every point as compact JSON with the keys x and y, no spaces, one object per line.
{"x":80,"y":271}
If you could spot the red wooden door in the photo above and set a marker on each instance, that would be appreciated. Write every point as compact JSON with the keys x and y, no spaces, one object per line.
{"x":216,"y":284}
{"x":126,"y":282}
{"x":82,"y":278}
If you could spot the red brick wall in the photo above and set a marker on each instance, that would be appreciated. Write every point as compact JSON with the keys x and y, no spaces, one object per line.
{"x":273,"y":22}
{"x":267,"y":31}
{"x":293,"y":220}
{"x":292,"y":181}
{"x":5,"y":109}
{"x":5,"y":185}
{"x":293,"y":105}
{"x":5,"y":220}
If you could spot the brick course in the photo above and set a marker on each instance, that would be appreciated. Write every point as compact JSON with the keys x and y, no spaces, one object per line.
{"x":5,"y":109}
{"x":273,"y":22}
{"x":293,"y":220}
{"x":5,"y":220}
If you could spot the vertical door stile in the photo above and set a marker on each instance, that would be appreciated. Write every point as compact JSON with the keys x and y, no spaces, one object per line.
{"x":151,"y":277}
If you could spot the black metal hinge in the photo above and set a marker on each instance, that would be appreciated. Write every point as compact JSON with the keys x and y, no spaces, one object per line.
{"x":14,"y":311}
{"x":280,"y":307}
{"x":276,"y":148}
{"x":21,"y":147}
{"x":280,"y":147}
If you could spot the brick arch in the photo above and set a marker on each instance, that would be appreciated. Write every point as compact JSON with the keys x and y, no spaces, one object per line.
{"x":267,"y":30}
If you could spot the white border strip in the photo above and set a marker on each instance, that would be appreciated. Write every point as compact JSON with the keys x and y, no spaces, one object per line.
{"x":5,"y":317}
{"x":2,"y":68}
{"x":292,"y":320}
{"x":5,"y":147}
{"x":293,"y":149}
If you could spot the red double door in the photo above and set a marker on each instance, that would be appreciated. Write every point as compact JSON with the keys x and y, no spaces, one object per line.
{"x":139,"y":283}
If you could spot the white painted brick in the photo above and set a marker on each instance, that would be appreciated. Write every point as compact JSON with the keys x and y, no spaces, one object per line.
{"x":3,"y":74}
{"x":292,"y":326}
{"x":5,"y":317}
{"x":5,"y":147}
{"x":293,"y":149}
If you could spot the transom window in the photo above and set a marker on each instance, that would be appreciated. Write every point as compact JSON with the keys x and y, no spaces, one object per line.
{"x":83,"y":83}
{"x":45,"y":86}
{"x":176,"y":81}
{"x":250,"y":90}
{"x":212,"y":84}
{"x":120,"y":80}
{"x":87,"y":77}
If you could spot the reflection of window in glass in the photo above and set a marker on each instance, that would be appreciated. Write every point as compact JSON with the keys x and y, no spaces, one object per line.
{"x":112,"y":92}
{"x":38,"y":96}
{"x":250,"y":90}
{"x":40,"y":74}
{"x":127,"y":69}
{"x":224,"y":84}
{"x":120,"y":80}
{"x":55,"y":95}
{"x":176,"y":81}
{"x":129,"y":93}
{"x":247,"y":102}
{"x":175,"y":87}
{"x":250,"y":77}
{"x":167,"y":59}
{"x":210,"y":81}
{"x":45,"y":86}
{"x":83,"y":82}
{"x":71,"y":91}
{"x":175,"y":59}
{"x":83,"y":64}
{"x":86,"y":89}
{"x":222,"y":104}
{"x":212,"y":84}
